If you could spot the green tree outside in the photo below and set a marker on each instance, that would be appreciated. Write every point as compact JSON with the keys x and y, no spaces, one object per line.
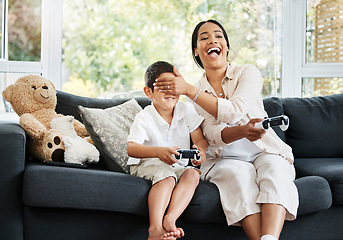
{"x":110,"y":43}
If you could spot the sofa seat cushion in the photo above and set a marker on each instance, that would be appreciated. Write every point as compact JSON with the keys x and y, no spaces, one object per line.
{"x":205,"y":205}
{"x":329,"y":168}
{"x":64,"y":187}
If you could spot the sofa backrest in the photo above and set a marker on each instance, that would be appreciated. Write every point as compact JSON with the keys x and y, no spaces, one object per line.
{"x":273,"y":107}
{"x":315,"y":128}
{"x":67,"y":103}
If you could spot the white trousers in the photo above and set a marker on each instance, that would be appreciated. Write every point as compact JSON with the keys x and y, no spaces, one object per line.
{"x":244,"y":186}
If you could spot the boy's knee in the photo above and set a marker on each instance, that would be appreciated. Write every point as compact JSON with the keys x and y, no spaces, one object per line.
{"x":171,"y":180}
{"x":192,"y":175}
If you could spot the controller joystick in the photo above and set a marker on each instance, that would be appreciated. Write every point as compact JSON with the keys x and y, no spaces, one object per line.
{"x":282,"y":121}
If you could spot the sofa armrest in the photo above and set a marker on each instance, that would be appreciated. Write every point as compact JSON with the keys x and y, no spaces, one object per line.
{"x":12,"y":162}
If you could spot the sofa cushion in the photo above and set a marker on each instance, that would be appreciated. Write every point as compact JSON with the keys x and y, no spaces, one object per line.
{"x":329,"y":168}
{"x":205,"y":205}
{"x":315,"y":127}
{"x":109,"y":129}
{"x":63,"y":187}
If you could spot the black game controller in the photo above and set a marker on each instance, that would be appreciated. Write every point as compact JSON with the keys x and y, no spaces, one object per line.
{"x":189,"y":153}
{"x":282,"y":121}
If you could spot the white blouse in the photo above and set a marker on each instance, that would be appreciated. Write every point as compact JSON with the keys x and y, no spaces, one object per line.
{"x":242,"y":87}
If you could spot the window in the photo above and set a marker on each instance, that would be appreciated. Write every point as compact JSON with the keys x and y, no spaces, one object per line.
{"x":105,"y":51}
{"x":24,"y":30}
{"x":30,"y":41}
{"x":107,"y":45}
{"x":312,"y":32}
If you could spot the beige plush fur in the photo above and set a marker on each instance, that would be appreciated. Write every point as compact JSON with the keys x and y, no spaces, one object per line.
{"x":34,"y":99}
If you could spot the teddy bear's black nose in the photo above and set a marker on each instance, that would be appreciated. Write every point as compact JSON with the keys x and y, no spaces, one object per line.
{"x":45,"y":87}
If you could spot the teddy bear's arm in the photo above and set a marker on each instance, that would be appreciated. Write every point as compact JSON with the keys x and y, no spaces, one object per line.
{"x":80,"y":129}
{"x":32,"y":126}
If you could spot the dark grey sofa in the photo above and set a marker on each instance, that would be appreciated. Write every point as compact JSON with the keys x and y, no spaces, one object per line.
{"x":40,"y":202}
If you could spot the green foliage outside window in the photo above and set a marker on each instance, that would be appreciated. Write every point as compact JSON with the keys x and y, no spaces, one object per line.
{"x":24,"y":30}
{"x":110,"y":43}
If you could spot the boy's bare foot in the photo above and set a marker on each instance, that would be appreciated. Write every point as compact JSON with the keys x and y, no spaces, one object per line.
{"x":175,"y":234}
{"x":160,"y":234}
{"x":170,"y":227}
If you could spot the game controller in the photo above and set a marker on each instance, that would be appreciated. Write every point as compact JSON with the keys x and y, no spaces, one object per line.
{"x":282,"y":121}
{"x":189,"y":153}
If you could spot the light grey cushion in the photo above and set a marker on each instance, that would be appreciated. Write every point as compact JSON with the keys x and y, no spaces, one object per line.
{"x":109,"y":129}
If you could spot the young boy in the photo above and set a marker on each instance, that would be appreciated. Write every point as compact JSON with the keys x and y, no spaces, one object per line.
{"x":157,"y":132}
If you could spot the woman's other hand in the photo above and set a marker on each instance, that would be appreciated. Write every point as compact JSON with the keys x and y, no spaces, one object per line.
{"x":252,"y":133}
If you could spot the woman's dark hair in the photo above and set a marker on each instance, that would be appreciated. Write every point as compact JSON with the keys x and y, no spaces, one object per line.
{"x":195,"y":39}
{"x":155,"y":70}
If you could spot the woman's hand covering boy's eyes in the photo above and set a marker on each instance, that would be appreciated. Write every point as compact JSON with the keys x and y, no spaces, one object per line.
{"x":172,"y":85}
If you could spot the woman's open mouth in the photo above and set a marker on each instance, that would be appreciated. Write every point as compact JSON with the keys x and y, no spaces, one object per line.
{"x":214,"y":52}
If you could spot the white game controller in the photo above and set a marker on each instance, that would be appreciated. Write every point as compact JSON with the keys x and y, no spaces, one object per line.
{"x":282,"y":121}
{"x":188,"y":153}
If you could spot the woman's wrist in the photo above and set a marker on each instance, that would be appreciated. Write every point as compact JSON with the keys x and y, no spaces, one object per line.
{"x":231,"y":134}
{"x":192,"y":91}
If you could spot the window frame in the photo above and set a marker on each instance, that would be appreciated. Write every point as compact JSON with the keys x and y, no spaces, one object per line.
{"x":50,"y":65}
{"x":294,"y":66}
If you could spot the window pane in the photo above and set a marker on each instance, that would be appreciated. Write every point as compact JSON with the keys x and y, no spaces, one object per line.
{"x":24,"y":30}
{"x":107,"y":45}
{"x":313,"y":87}
{"x":324,"y":31}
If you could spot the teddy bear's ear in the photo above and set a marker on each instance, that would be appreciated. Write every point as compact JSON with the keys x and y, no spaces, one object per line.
{"x":7,"y":93}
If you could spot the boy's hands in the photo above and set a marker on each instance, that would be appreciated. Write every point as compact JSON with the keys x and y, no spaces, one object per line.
{"x":165,"y":154}
{"x":202,"y":154}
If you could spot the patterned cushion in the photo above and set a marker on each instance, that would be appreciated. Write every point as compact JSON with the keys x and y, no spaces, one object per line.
{"x":109,"y":129}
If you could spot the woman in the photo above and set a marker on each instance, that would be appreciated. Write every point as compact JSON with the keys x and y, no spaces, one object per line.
{"x":252,"y":168}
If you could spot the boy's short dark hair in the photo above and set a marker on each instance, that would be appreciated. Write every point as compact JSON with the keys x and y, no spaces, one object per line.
{"x":155,"y":70}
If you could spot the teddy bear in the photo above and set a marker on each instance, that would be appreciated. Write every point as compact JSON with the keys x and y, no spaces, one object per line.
{"x":34,"y":99}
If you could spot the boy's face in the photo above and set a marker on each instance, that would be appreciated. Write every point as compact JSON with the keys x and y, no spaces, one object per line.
{"x":162,"y":101}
